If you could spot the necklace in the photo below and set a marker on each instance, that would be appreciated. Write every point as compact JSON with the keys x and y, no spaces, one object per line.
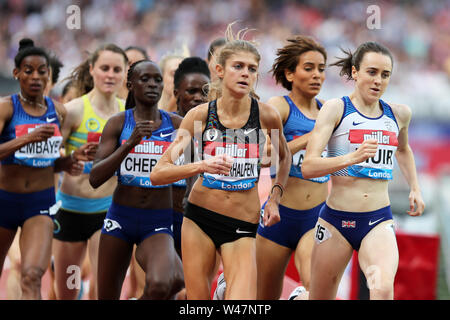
{"x":40,"y":105}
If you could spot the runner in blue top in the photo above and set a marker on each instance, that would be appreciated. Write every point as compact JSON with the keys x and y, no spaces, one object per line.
{"x":363,"y":134}
{"x":300,"y":69}
{"x":141,"y":213}
{"x":30,"y":143}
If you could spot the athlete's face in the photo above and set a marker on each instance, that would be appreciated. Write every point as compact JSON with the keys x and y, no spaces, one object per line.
{"x":240,"y":73}
{"x":134,"y":55}
{"x":373,"y":76}
{"x":169,"y":71}
{"x":309,"y":74}
{"x":190,"y":92}
{"x":212,"y":63}
{"x":33,"y":75}
{"x":108,"y":71}
{"x":146,"y":83}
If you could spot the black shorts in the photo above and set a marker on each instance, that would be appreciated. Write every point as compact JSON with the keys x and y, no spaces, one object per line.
{"x":219,"y":228}
{"x":73,"y":226}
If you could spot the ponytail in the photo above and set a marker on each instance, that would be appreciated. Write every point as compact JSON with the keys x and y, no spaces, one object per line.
{"x":355,"y":59}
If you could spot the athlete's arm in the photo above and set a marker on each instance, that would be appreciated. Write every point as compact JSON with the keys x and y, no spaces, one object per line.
{"x":271,"y":120}
{"x":109,"y":154}
{"x":39,"y":134}
{"x":166,"y":171}
{"x":405,"y":158}
{"x":314,"y":165}
{"x":70,"y":120}
{"x":295,"y":145}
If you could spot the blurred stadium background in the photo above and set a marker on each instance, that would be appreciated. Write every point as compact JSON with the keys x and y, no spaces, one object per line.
{"x":417,"y":33}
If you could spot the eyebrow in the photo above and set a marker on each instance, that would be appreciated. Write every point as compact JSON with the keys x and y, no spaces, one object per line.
{"x":309,"y":62}
{"x":374,"y":68}
{"x":30,"y":66}
{"x":250,"y":64}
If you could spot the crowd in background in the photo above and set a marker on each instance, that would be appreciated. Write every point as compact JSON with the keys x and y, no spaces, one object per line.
{"x":417,"y":32}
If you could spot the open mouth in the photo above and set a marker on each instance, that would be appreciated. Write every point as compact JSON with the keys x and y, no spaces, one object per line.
{"x":315,"y":85}
{"x":375,"y":90}
{"x":243,"y":83}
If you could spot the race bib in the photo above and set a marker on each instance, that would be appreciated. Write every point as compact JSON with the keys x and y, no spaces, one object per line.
{"x":135,"y":169}
{"x":38,"y":154}
{"x":297,"y":160}
{"x":381,"y":165}
{"x":244,"y":171}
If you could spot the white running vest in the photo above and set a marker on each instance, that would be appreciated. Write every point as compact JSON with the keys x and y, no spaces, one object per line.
{"x":353,"y":129}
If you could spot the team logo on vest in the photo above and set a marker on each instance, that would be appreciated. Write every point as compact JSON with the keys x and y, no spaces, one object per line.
{"x":92,"y":124}
{"x":388,"y":125}
{"x":211,"y":134}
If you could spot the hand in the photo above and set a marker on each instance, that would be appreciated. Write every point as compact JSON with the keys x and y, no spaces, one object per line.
{"x":366,"y":150}
{"x":271,"y":213}
{"x":415,"y":199}
{"x":141,"y":130}
{"x":86,"y":152}
{"x":76,"y":168}
{"x":41,"y":133}
{"x":217,"y":165}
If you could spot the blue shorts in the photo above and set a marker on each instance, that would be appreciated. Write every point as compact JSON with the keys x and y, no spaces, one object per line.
{"x":292,"y":226}
{"x":354,"y":226}
{"x":16,"y":208}
{"x":177,"y":222}
{"x":135,"y":224}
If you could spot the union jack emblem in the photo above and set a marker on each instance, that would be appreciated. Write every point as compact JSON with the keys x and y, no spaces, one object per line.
{"x":349,"y":224}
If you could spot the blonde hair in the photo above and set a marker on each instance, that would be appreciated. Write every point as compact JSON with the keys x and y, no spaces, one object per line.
{"x":180,"y":54}
{"x":234,"y":43}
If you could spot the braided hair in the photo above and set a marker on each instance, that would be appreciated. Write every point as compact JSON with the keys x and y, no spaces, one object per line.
{"x":130,"y":103}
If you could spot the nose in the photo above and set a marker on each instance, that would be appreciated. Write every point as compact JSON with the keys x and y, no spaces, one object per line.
{"x":377,"y":80}
{"x":35,"y":75}
{"x":199,"y":98}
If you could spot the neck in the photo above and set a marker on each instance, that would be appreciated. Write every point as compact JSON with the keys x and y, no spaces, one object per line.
{"x":302,"y":101}
{"x":32,"y":99}
{"x":145,"y":112}
{"x":37,"y":101}
{"x":359,"y":100}
{"x":101,"y":100}
{"x":234,"y":105}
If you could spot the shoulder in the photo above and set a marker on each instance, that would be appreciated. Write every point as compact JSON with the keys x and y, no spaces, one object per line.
{"x":198,"y":113}
{"x":6,"y":102}
{"x":60,"y":111}
{"x":176,"y":119}
{"x":59,"y":107}
{"x":115,"y":122}
{"x":280,"y":103}
{"x":76,"y":104}
{"x":6,"y":107}
{"x":331,"y":112}
{"x":402,"y":112}
{"x":333,"y":106}
{"x":269,"y":116}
